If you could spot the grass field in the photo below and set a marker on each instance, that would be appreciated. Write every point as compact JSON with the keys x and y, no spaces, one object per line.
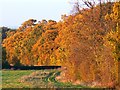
{"x":10,"y":78}
{"x":33,"y":79}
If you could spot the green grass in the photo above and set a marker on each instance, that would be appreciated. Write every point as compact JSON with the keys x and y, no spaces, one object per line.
{"x":25,"y":79}
{"x":51,"y":78}
{"x":33,"y":79}
{"x":10,"y":78}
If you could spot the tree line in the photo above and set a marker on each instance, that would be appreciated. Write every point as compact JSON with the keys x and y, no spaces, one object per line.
{"x":87,"y":43}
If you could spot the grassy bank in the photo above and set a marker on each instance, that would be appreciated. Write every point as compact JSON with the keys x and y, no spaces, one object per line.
{"x":10,"y":78}
{"x":33,"y":79}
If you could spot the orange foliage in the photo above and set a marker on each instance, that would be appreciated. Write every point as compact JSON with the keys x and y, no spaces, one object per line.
{"x":77,"y":43}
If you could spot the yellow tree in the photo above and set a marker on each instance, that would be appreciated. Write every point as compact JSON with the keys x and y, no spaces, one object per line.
{"x":113,"y":36}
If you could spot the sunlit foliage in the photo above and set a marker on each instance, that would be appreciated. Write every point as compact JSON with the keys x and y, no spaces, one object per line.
{"x":85,"y":43}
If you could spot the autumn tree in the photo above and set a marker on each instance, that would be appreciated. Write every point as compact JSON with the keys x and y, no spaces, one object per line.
{"x":82,"y":43}
{"x":85,"y":43}
{"x":113,"y":36}
{"x":45,"y":46}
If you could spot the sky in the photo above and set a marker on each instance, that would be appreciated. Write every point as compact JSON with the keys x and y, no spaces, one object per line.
{"x":14,"y":12}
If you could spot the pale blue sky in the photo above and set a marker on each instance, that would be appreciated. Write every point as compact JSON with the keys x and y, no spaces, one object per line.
{"x":15,"y":12}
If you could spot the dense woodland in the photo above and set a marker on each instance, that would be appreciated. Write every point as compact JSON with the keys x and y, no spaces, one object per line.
{"x":86,"y":43}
